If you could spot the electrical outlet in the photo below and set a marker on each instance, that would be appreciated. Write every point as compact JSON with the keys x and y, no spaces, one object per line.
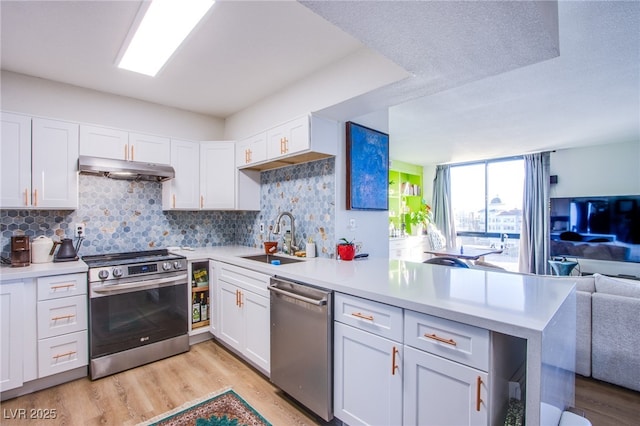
{"x":352,"y":224}
{"x":358,"y":246}
{"x":262,"y":228}
{"x":80,"y":230}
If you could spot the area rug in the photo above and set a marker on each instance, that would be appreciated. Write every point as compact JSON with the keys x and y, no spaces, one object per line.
{"x":222,"y":409}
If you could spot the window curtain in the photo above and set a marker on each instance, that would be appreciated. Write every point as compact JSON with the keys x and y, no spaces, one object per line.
{"x":534,"y":237}
{"x":442,"y":214}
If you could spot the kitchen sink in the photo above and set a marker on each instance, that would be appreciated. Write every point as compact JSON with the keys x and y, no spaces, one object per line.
{"x":267,"y":258}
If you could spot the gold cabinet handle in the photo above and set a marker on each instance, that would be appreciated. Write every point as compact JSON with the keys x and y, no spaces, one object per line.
{"x":132,"y":153}
{"x":26,"y":196}
{"x":478,"y":389}
{"x":126,"y":152}
{"x":283,"y":146}
{"x":66,"y":354}
{"x":240,"y":299}
{"x":201,"y":201}
{"x":440,"y":339}
{"x":61,"y":317}
{"x":363,"y":316}
{"x":237,"y":298}
{"x":247,"y":156}
{"x":173,"y":200}
{"x":55,"y":287}
{"x":35,"y":197}
{"x":394,"y":367}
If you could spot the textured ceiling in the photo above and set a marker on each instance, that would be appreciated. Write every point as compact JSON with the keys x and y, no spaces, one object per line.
{"x":489,"y":78}
{"x":242,"y":51}
{"x":463,"y":107}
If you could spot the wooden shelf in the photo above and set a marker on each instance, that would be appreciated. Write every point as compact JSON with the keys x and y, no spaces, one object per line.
{"x":199,"y":289}
{"x":199,"y":324}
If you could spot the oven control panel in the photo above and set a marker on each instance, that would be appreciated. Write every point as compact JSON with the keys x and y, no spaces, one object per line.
{"x":139,"y":269}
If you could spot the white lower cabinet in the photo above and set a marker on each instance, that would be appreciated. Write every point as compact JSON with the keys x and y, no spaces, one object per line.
{"x":367,"y":378}
{"x":44,"y":327}
{"x":367,"y":362}
{"x":400,"y":367}
{"x":11,"y":337}
{"x":441,"y":392}
{"x":244,"y":313}
{"x":62,"y":323}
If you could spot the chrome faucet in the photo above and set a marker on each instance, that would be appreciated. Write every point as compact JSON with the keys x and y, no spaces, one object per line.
{"x":276,"y":230}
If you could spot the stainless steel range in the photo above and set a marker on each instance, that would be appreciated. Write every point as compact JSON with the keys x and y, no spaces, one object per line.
{"x":138,"y":309}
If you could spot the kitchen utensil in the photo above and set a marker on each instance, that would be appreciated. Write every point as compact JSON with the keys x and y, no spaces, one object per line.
{"x":66,"y":252}
{"x":42,"y":250}
{"x":20,"y":251}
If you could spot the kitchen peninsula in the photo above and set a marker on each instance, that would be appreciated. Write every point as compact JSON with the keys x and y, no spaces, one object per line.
{"x":529,"y":320}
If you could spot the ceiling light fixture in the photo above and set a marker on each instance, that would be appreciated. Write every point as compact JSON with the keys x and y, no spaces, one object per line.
{"x":165,"y":25}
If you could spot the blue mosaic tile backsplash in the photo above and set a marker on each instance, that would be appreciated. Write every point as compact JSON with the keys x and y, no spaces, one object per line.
{"x":122,"y":216}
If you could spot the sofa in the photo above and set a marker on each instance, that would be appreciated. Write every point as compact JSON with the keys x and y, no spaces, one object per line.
{"x":608,"y":329}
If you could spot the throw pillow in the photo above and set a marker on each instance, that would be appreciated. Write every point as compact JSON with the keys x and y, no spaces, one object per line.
{"x":617,"y":286}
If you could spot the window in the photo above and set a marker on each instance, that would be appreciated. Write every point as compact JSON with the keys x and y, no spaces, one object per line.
{"x":486,"y":199}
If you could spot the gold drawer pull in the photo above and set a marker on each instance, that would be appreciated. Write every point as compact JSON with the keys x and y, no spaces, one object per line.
{"x":66,"y":354}
{"x":61,"y":317}
{"x":35,"y":198}
{"x":478,"y":389}
{"x":55,"y":287}
{"x":440,"y":339}
{"x":363,"y":316}
{"x":26,"y":197}
{"x":394,"y":367}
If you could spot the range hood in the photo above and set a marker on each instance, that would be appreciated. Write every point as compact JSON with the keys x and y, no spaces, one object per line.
{"x":125,"y":170}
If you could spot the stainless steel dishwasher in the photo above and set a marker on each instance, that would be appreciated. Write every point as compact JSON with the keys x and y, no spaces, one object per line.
{"x":302,"y":344}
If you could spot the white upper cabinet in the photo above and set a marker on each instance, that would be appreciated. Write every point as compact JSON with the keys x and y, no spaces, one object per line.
{"x":54,"y":164}
{"x":217,"y":175}
{"x":104,"y":142}
{"x":251,"y":150}
{"x":303,"y":139}
{"x":15,"y":160}
{"x":118,"y":144}
{"x":289,"y":138}
{"x":149,"y":148}
{"x":39,"y":163}
{"x":207,"y":178}
{"x":183,"y":192}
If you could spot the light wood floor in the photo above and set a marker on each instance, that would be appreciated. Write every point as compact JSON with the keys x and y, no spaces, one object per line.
{"x":142,"y":393}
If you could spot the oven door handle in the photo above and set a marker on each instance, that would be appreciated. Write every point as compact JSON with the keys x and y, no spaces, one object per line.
{"x":142,"y":285}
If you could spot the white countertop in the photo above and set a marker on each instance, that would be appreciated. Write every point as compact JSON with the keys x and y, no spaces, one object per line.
{"x":41,"y":269}
{"x":514,"y":304}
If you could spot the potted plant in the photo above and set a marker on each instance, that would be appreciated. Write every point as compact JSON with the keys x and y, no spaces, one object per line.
{"x":346,"y":249}
{"x":420,"y":219}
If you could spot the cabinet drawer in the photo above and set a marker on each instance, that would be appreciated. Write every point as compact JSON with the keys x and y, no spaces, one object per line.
{"x":61,"y":286}
{"x":458,"y":342}
{"x":62,"y":353}
{"x":374,"y":317}
{"x":245,"y":278}
{"x":62,"y":316}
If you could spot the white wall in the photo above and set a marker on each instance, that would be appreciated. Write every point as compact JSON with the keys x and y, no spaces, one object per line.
{"x":612,"y":169}
{"x":331,"y":85}
{"x":371,"y":227}
{"x":45,"y":98}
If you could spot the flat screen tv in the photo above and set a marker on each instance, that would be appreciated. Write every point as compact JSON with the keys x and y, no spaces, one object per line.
{"x":599,"y":227}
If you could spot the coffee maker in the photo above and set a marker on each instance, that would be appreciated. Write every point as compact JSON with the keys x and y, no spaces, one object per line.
{"x":20,"y":251}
